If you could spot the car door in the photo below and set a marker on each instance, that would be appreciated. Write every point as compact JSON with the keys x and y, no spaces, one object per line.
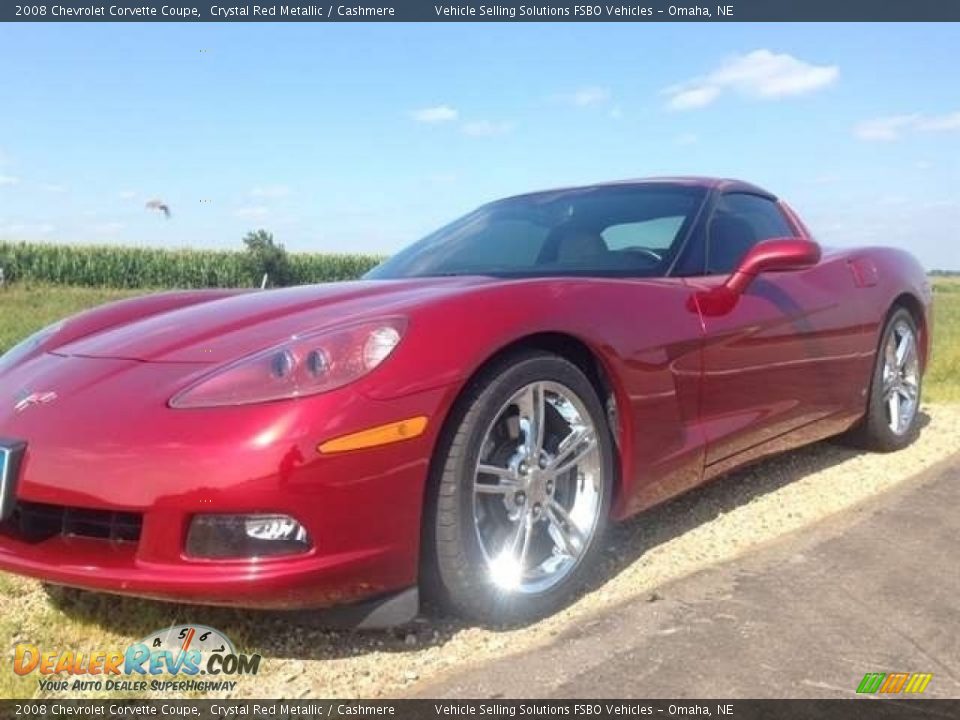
{"x":781,"y":358}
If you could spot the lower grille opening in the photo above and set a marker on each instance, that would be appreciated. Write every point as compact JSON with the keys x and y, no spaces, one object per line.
{"x":36,"y":522}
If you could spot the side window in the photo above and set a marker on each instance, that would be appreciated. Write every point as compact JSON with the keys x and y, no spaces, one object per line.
{"x":656,"y":234}
{"x":739,"y":222}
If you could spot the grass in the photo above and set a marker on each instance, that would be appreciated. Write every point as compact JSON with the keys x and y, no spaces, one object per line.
{"x":942,"y":382}
{"x":25,"y":308}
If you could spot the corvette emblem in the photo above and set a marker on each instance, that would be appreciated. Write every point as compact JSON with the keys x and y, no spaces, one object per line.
{"x":27,"y":399}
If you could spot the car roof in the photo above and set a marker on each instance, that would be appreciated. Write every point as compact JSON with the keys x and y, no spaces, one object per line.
{"x":711,"y":183}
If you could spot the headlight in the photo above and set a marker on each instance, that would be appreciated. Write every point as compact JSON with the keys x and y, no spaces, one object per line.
{"x":304,"y":365}
{"x":19,"y":351}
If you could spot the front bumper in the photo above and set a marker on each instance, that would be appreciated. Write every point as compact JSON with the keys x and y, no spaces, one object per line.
{"x":110,"y":443}
{"x":311,"y":581}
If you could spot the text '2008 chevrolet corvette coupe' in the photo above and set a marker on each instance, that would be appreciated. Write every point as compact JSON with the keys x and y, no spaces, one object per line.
{"x":466,"y":419}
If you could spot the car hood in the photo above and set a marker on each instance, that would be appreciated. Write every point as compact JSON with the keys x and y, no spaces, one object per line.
{"x":231,"y":327}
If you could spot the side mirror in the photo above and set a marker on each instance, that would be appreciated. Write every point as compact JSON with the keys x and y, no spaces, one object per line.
{"x":777,"y":255}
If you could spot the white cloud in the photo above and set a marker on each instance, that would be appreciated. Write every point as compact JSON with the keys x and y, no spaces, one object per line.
{"x":127,"y":194}
{"x":884,"y":128}
{"x":892,"y":127}
{"x":53,"y":187}
{"x":760,"y":74}
{"x":692,"y":98}
{"x":485,"y":128}
{"x":950,"y":121}
{"x":107,"y":228}
{"x":586,"y":96}
{"x":270,"y":191}
{"x":942,"y":203}
{"x":24,"y":229}
{"x":9,"y":180}
{"x":687,"y":139}
{"x":255,"y":212}
{"x":435,"y":114}
{"x":892,"y":199}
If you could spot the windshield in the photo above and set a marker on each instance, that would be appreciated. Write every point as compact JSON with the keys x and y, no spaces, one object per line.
{"x":610,"y":230}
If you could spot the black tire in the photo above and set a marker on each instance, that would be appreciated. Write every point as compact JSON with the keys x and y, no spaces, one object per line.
{"x":457,"y":573}
{"x":874,"y":431}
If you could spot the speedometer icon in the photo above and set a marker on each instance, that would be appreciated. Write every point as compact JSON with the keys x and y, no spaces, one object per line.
{"x":181,"y":638}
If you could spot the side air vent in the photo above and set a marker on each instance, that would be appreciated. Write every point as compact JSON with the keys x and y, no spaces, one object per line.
{"x":36,"y":522}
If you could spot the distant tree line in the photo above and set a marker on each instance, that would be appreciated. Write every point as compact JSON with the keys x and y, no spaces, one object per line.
{"x":141,"y":267}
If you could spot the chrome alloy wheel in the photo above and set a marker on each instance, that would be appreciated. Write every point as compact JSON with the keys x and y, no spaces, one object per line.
{"x":537,"y":488}
{"x":901,"y":378}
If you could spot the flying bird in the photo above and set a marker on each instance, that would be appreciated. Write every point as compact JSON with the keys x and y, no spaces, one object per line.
{"x":160,"y":206}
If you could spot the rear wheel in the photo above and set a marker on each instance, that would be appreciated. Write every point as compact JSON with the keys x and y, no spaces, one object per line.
{"x":524,"y":492}
{"x":891,"y":419}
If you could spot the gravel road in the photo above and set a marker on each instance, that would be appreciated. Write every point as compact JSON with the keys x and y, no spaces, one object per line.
{"x":712,"y":524}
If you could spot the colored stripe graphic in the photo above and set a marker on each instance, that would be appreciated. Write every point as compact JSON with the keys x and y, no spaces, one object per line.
{"x":918,"y":682}
{"x":871,"y":682}
{"x":894,"y":682}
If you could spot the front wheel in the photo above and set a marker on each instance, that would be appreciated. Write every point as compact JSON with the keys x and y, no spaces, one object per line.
{"x":524,"y":490}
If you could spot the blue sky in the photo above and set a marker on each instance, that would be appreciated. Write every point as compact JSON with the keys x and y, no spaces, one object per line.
{"x":363,"y":137}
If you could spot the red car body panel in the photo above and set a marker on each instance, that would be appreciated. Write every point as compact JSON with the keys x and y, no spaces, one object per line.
{"x":697,"y":392}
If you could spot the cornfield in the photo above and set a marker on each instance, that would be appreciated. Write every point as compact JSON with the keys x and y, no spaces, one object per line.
{"x":134,"y":267}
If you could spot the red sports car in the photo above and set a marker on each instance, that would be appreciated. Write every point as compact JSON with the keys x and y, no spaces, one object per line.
{"x":465,"y":419}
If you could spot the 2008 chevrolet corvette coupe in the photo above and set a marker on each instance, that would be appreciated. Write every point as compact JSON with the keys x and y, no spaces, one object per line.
{"x":466,"y":418}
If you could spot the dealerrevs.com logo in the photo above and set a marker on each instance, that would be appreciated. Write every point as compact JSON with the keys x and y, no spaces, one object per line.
{"x":182,"y":658}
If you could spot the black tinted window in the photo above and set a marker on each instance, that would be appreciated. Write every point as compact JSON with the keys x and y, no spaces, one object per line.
{"x":739,"y":222}
{"x":610,"y":230}
{"x":507,"y":242}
